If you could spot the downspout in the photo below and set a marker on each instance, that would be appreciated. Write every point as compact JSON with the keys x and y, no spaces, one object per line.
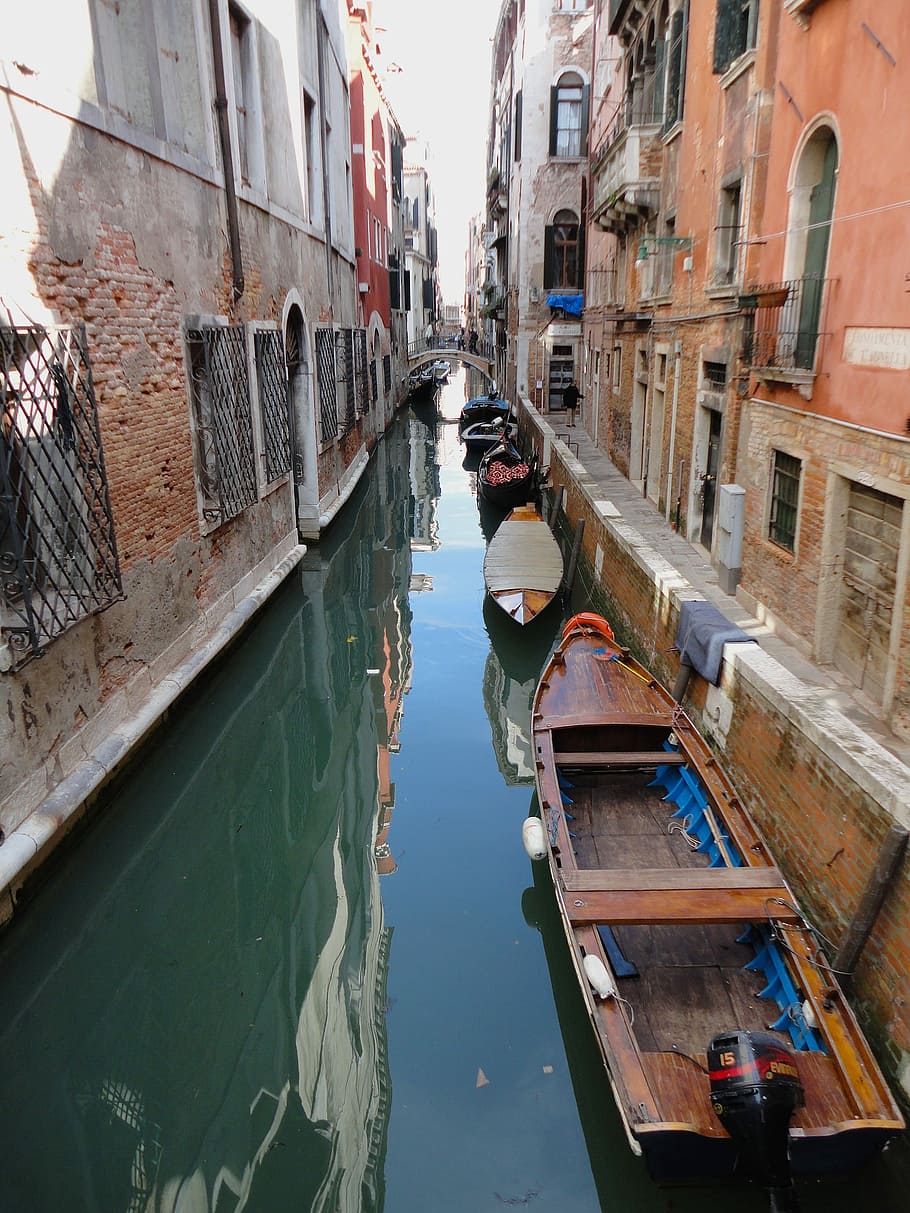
{"x":227,"y":158}
{"x":673,"y":410}
{"x":321,"y":39}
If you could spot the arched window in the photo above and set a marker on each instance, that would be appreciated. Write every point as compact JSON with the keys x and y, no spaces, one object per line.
{"x":811,"y":211}
{"x":562,"y":268}
{"x":569,"y":116}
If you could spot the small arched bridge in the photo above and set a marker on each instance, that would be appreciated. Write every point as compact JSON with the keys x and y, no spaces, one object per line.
{"x":420,"y":357}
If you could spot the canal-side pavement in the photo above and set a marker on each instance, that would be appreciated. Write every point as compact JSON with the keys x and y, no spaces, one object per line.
{"x":589,"y":463}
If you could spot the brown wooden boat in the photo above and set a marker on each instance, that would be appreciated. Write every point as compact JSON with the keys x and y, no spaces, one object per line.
{"x":523,"y":566}
{"x":729,"y":1045}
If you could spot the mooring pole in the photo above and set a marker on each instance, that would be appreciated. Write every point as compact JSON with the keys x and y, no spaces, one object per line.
{"x":880,"y":880}
{"x":573,"y":559}
{"x":682,"y":681}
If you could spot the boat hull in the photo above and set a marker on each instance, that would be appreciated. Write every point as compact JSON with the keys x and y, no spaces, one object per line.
{"x":506,"y":494}
{"x":665,"y":880}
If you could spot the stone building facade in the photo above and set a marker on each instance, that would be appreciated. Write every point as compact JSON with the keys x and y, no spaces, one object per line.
{"x":185,"y":382}
{"x":745,"y":367}
{"x":537,"y":195}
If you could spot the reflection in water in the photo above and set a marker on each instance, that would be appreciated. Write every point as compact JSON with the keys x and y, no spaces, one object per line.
{"x":517,"y":656}
{"x":193,"y":1011}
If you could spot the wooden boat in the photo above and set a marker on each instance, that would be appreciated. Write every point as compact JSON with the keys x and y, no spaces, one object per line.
{"x":523,"y":566}
{"x":482,"y":408}
{"x":730,"y":1048}
{"x":482,"y":435}
{"x":505,"y":478}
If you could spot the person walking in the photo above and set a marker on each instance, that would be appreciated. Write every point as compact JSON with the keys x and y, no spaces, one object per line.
{"x":570,"y":399}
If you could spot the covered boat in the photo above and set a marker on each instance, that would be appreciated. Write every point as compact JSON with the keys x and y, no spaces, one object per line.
{"x":523,"y":566}
{"x":483,"y":434}
{"x":483,"y":408}
{"x":505,"y":478}
{"x":729,"y":1045}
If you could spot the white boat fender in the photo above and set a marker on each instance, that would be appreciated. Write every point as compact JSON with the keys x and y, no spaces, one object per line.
{"x":597,"y":975}
{"x":533,"y":837}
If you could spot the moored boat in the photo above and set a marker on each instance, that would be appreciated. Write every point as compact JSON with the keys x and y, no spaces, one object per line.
{"x":523,"y":565}
{"x":484,"y":434}
{"x":505,"y":478}
{"x":729,"y":1046}
{"x":483,"y":408}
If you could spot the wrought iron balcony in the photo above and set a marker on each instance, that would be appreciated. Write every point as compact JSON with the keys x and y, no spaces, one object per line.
{"x":783,"y":326}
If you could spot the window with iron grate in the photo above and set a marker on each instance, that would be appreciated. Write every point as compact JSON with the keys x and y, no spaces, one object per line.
{"x":785,"y":478}
{"x":58,"y":555}
{"x":387,"y":372}
{"x":222,"y":420}
{"x":363,"y":389}
{"x":325,"y":379}
{"x":272,"y":382}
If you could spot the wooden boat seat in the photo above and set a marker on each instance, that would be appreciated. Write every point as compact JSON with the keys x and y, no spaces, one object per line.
{"x":619,"y":758}
{"x":625,"y":896}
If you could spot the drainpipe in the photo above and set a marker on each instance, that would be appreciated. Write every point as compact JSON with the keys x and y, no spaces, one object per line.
{"x":227,"y":158}
{"x":676,"y":366}
{"x":322,"y":36}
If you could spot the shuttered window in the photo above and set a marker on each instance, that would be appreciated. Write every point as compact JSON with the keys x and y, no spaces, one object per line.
{"x":562,"y":267}
{"x":735,"y":30}
{"x":569,"y":117}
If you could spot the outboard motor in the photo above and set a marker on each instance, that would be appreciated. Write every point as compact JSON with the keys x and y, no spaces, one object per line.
{"x":755,"y":1089}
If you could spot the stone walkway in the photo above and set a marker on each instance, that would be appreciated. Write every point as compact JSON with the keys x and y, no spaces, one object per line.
{"x":691,"y":562}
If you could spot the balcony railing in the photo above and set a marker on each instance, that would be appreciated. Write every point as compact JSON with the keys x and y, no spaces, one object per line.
{"x":784,"y":324}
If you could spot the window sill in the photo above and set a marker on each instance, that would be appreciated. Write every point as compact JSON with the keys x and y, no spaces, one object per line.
{"x":738,"y":68}
{"x":723,"y":290}
{"x":673,"y":133}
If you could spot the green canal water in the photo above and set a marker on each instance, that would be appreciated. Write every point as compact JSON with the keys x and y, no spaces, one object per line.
{"x":299,"y":960}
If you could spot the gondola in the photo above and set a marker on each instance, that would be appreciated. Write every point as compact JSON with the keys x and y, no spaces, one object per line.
{"x":484,"y":434}
{"x":729,"y":1045}
{"x":505,"y":478}
{"x":483,"y":408}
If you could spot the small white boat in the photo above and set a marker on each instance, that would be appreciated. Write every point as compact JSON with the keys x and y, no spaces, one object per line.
{"x":523,"y":567}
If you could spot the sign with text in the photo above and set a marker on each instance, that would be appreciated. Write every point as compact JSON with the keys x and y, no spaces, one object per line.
{"x":889,"y":348}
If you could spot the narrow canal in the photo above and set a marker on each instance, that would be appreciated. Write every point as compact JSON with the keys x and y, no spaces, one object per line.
{"x":300,"y":960}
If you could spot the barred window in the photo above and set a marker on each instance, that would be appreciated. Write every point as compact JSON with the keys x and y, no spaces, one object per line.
{"x":325,"y":378}
{"x":223,"y":420}
{"x":58,"y":555}
{"x":784,"y":500}
{"x":363,"y":391}
{"x":344,"y":355}
{"x":387,"y":372}
{"x":374,"y":384}
{"x":272,"y":381}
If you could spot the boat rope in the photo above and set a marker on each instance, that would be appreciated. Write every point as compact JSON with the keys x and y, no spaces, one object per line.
{"x":676,"y":826}
{"x":688,"y":1056}
{"x":778,"y":930}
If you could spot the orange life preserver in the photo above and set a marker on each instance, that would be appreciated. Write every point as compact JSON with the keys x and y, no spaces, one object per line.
{"x":587,"y":619}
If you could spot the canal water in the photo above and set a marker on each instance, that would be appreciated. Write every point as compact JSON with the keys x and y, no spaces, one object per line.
{"x":300,"y":960}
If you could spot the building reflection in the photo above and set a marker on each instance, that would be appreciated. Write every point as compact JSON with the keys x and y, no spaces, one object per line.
{"x":212,"y":1035}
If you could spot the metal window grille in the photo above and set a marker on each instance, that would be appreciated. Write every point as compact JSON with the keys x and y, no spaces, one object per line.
{"x":325,"y":377}
{"x":387,"y":372}
{"x":363,"y":396}
{"x":374,"y":383}
{"x":271,"y":374}
{"x":784,"y":499}
{"x":344,"y":354}
{"x":224,"y":422}
{"x":58,"y":555}
{"x":783,"y":323}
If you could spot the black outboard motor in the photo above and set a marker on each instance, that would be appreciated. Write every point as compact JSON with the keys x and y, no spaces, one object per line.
{"x":755,"y":1089}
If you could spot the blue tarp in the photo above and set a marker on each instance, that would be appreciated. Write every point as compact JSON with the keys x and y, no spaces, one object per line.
{"x":572,"y":304}
{"x":702,"y":633}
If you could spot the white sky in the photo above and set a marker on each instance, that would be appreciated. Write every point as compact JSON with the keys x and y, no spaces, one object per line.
{"x":442,"y":96}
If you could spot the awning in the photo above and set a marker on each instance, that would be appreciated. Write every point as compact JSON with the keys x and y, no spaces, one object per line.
{"x":572,"y":305}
